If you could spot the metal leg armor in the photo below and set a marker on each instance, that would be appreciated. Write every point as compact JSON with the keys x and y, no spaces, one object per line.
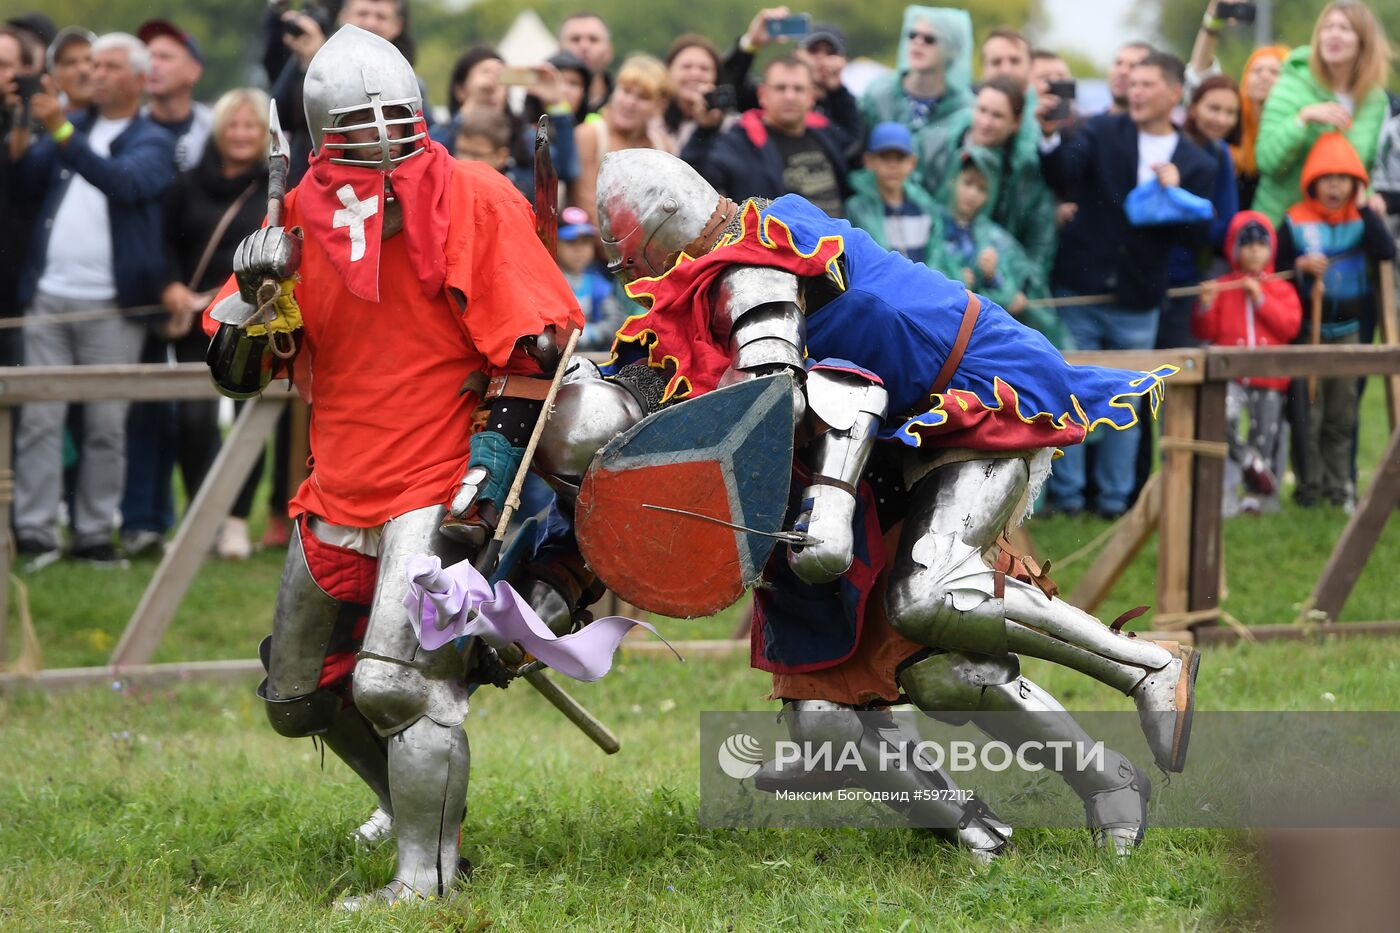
{"x":978,"y":829}
{"x":943,"y":594}
{"x":416,"y":700}
{"x":1115,"y":796}
{"x":293,"y":655}
{"x":848,"y":408}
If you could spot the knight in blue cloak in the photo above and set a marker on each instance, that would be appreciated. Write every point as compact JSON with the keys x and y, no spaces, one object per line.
{"x":927,"y":419}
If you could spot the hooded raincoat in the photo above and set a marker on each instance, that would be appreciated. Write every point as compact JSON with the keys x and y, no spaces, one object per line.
{"x":1236,"y":320}
{"x":885,"y":100}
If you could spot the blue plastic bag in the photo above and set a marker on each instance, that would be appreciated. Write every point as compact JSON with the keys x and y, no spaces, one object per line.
{"x":1151,"y":205}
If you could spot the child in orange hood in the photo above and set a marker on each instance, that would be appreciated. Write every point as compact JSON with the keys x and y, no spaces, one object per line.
{"x":1328,"y":237}
{"x":1246,"y":308}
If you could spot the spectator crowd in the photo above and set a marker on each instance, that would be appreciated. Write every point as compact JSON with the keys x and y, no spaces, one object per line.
{"x":1198,"y":208}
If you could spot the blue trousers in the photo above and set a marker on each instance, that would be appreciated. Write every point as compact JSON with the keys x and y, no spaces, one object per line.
{"x":1102,"y":327}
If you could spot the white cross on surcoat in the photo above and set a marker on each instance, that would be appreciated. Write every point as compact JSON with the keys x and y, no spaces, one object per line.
{"x":354,"y":215}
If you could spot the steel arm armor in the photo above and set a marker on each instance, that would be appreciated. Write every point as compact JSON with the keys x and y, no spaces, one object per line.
{"x":757,"y":313}
{"x":844,"y":412}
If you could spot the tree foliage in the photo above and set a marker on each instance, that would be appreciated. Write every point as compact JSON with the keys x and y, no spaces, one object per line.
{"x":230,"y":31}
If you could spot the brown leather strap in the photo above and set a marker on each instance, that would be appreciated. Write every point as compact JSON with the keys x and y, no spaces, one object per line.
{"x":955,"y":355}
{"x":724,"y":212}
{"x":998,"y":584}
{"x":1023,"y":567}
{"x":1130,"y":615}
{"x":821,"y":479}
{"x":517,"y":387}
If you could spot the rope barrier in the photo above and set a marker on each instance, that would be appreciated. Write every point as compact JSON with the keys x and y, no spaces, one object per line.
{"x":1069,"y":301}
{"x":1181,"y":291}
{"x":78,"y":317}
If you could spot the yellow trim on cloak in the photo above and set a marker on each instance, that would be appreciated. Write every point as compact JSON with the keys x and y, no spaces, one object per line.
{"x":1154,"y":390}
{"x":644,"y":289}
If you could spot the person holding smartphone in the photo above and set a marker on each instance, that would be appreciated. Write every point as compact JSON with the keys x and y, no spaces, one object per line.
{"x":822,"y":45}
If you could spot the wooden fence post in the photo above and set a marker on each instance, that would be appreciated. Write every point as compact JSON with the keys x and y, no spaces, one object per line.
{"x":7,"y":490}
{"x":1208,"y":474}
{"x":243,"y":447}
{"x":1174,"y":526}
{"x":1390,"y":336}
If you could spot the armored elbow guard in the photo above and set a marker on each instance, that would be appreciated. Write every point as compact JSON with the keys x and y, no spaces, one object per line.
{"x":756,"y":311}
{"x":240,"y":363}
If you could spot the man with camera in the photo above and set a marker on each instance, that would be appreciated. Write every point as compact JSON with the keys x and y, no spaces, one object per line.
{"x":302,"y":32}
{"x":784,"y":147}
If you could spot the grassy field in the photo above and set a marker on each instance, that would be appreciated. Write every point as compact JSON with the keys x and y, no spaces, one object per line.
{"x":181,"y":809}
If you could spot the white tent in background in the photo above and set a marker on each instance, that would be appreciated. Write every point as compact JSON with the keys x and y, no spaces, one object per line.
{"x":528,"y":41}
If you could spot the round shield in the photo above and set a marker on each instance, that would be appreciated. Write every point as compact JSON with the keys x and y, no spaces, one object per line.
{"x":658,"y":506}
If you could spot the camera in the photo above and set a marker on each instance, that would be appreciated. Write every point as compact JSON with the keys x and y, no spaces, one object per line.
{"x":1239,"y":12}
{"x":721,"y":98}
{"x":316,"y":9}
{"x":26,"y":86}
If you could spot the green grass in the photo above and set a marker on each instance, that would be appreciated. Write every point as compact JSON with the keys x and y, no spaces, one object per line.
{"x":181,"y":809}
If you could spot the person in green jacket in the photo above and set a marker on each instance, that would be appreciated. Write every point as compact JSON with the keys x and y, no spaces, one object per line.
{"x":1023,"y":203}
{"x":930,"y":84}
{"x":1337,"y":82}
{"x":959,"y":240}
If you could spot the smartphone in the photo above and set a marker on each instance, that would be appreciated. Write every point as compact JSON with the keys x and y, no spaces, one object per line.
{"x":523,"y":77}
{"x":793,"y":27}
{"x":1065,"y":91}
{"x":1239,"y":12}
{"x":721,"y":98}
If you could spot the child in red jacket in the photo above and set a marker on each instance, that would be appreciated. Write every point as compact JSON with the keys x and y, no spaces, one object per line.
{"x":1244,"y":308}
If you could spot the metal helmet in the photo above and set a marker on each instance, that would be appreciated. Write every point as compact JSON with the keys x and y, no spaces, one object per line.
{"x":651,"y":207}
{"x":357,"y":72}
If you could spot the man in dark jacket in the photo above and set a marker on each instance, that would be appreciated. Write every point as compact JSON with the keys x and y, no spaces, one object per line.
{"x":1101,"y":253}
{"x":784,"y":147}
{"x":100,"y":178}
{"x":824,"y":48}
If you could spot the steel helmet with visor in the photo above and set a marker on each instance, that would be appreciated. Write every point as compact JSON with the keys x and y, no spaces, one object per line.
{"x":359,"y":81}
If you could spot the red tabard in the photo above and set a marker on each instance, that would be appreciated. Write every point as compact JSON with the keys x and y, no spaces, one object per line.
{"x":389,"y":428}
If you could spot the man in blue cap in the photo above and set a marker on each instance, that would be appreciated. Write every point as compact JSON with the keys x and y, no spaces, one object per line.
{"x":886,"y":204}
{"x":602,"y":312}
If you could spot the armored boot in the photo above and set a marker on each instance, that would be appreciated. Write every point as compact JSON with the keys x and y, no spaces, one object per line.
{"x":956,"y":687}
{"x":931,"y":794}
{"x":417,"y":701}
{"x":376,"y":829}
{"x":944,"y":595}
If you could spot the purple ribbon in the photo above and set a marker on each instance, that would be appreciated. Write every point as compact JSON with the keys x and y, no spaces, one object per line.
{"x":446,"y":603}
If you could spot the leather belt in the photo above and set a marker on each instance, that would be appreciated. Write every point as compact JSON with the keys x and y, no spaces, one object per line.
{"x":955,"y":355}
{"x":526,"y":387}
